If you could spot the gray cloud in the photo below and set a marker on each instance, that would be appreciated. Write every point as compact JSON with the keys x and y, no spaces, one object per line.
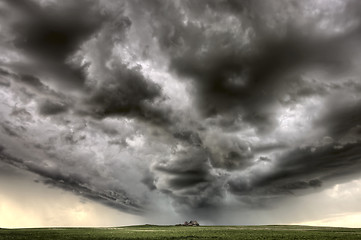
{"x":51,"y":34}
{"x":190,"y":180}
{"x":48,"y":107}
{"x":246,"y":73}
{"x":116,"y":198}
{"x":301,"y":169}
{"x":342,"y":119}
{"x":198,"y":101}
{"x":127,"y":93}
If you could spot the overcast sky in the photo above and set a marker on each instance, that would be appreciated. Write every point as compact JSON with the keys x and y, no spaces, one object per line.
{"x":228,"y":112}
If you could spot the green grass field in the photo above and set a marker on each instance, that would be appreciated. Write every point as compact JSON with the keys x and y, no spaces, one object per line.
{"x":171,"y":232}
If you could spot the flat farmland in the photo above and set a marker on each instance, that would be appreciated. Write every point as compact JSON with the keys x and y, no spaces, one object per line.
{"x":181,"y":232}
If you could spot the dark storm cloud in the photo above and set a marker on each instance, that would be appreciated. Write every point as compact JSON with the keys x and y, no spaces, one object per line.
{"x":189,"y":136}
{"x":4,"y":75}
{"x":53,"y":103}
{"x":116,"y":199}
{"x":189,"y":179}
{"x":31,"y":81}
{"x":75,"y":183}
{"x":52,"y":34}
{"x":149,"y":181}
{"x":48,"y":107}
{"x":207,"y":98}
{"x":302,"y":169}
{"x":28,"y":80}
{"x":225,"y":151}
{"x":249,"y":80}
{"x":4,"y":72}
{"x":342,"y":118}
{"x":185,"y":173}
{"x":128,"y":93}
{"x":4,"y":83}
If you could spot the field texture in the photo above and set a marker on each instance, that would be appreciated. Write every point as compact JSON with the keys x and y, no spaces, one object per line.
{"x":171,"y":232}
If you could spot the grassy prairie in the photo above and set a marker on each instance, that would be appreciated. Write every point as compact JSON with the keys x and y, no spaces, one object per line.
{"x":171,"y":232}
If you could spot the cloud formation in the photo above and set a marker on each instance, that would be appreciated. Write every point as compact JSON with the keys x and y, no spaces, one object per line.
{"x":203,"y":102}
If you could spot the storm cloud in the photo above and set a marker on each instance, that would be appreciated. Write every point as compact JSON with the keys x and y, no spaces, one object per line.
{"x":201,"y":103}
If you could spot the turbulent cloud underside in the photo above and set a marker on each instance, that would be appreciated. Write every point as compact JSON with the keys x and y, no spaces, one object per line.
{"x":203,"y":104}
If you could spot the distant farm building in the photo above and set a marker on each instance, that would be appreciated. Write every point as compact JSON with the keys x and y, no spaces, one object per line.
{"x":190,"y":223}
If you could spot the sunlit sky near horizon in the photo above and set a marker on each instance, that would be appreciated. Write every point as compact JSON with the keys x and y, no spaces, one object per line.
{"x":123,"y":112}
